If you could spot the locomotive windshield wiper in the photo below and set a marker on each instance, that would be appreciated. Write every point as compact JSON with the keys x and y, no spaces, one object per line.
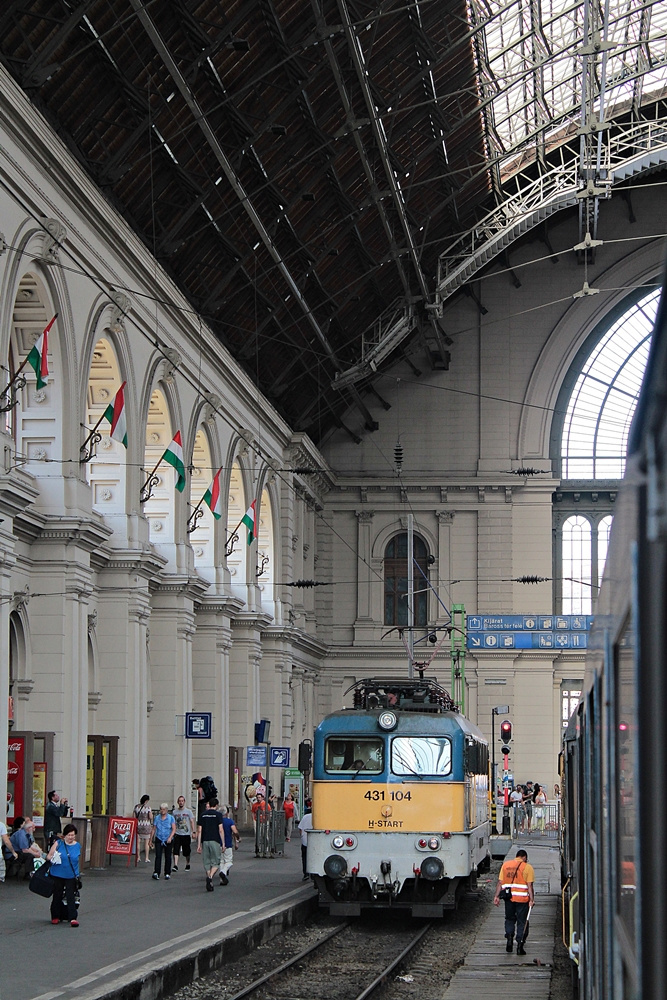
{"x":399,"y":760}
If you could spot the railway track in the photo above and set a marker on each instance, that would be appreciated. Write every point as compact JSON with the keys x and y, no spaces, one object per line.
{"x":348,"y":963}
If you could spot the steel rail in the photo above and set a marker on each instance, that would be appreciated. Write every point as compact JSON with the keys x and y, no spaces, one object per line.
{"x":288,"y":964}
{"x":390,"y":968}
{"x":248,"y":990}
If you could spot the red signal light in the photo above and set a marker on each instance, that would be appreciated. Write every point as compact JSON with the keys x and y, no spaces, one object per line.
{"x":506,"y":731}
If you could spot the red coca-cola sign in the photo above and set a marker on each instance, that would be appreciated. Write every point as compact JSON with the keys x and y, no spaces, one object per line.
{"x":16,"y":749}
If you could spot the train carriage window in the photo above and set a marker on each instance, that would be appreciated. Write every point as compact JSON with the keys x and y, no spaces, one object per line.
{"x":353,"y":755}
{"x":427,"y":755}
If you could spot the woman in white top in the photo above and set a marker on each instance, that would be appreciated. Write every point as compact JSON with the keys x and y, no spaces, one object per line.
{"x":540,"y":800}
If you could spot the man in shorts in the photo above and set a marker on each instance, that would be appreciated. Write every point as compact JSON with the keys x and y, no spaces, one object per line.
{"x":232,"y":839}
{"x":210,"y":835}
{"x":185,"y":831}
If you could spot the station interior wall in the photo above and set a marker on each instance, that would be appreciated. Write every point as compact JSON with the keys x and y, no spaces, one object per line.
{"x":118,"y":621}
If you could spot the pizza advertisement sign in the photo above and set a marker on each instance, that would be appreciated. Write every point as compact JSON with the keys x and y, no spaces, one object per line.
{"x":121,"y":833}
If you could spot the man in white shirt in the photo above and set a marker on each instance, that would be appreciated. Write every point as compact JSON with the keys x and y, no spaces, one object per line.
{"x":305,"y":825}
{"x":5,"y":847}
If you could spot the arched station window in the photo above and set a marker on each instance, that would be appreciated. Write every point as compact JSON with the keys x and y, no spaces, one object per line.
{"x":594,"y":441}
{"x":396,"y":581}
{"x":603,"y":401}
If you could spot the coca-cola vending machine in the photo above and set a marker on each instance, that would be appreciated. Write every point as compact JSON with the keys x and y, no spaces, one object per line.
{"x":15,"y":777}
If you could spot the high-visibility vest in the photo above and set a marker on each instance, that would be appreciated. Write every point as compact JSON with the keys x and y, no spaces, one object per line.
{"x":517,"y":885}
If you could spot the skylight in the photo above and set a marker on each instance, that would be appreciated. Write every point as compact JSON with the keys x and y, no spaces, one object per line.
{"x":530,"y":71}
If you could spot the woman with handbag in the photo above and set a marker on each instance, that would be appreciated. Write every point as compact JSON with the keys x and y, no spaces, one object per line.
{"x":64,"y":857}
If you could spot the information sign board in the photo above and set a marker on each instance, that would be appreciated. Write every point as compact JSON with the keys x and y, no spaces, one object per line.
{"x":255,"y":756}
{"x":500,"y":632}
{"x":280,"y":756}
{"x":198,"y":725}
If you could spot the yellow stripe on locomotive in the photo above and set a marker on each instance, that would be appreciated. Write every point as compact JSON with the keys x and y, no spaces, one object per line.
{"x":409,"y":808}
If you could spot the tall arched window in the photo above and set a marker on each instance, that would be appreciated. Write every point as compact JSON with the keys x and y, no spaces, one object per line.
{"x":603,"y":401}
{"x":577,"y":566}
{"x":396,"y":581}
{"x":594,"y":440}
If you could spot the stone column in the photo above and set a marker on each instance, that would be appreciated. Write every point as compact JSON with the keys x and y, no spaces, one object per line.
{"x":122,"y":631}
{"x":172,"y":630}
{"x":445,"y":521}
{"x":363,"y":625}
{"x":210,"y":690}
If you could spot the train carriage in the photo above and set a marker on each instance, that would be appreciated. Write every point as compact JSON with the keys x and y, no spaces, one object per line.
{"x":400,"y":801}
{"x":615,"y":746}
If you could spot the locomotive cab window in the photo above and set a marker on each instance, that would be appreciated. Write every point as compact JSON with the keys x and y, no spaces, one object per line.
{"x":353,"y":755}
{"x":421,"y":755}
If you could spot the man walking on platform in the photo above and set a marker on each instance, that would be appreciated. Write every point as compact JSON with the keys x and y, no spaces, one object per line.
{"x":210,"y":837}
{"x":231,"y":840}
{"x":515,"y":887}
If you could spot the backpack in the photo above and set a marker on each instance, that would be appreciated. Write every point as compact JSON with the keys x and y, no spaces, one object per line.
{"x":208,"y":788}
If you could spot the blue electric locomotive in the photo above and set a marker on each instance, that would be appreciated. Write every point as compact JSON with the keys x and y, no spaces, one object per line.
{"x":400,"y":801}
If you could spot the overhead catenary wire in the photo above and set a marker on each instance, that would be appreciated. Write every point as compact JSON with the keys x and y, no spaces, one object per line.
{"x":197,"y":383}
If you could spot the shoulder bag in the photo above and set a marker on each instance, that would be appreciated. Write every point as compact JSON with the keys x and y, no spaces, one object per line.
{"x":41,"y":882}
{"x":506,"y":893}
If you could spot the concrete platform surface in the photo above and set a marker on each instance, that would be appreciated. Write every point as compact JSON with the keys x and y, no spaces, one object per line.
{"x":488,"y":970}
{"x":136,"y":932}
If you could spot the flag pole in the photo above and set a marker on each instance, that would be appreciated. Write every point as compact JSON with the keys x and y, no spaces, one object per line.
{"x":233,"y":539}
{"x":93,"y":438}
{"x":17,"y":378}
{"x":146,"y":491}
{"x":195,"y":516}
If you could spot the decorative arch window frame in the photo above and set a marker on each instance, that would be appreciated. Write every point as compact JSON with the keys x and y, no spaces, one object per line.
{"x":422,"y":603}
{"x":593,"y":499}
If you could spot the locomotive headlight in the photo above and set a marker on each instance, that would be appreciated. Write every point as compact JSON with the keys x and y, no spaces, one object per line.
{"x":428,"y":843}
{"x":342,"y":842}
{"x":335,"y":866}
{"x":387,"y":721}
{"x":431,"y":869}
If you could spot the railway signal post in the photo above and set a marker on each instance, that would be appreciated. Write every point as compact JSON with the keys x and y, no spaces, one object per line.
{"x":506,"y":736}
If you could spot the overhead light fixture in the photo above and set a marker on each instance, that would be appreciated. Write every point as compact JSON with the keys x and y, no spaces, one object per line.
{"x":240,"y":44}
{"x":279,"y":130}
{"x":308,"y":196}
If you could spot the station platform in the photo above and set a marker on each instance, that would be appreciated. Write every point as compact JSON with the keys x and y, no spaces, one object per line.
{"x":137,"y":933}
{"x":139,"y":938}
{"x":488,"y":969}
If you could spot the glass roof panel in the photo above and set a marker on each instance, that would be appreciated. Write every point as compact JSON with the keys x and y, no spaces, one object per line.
{"x":530,"y":72}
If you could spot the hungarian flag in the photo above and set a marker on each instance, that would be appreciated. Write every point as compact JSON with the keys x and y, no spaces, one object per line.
{"x":115,"y":414}
{"x":213,"y":496}
{"x":250,"y":521}
{"x":174,"y":457}
{"x":38,"y":355}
